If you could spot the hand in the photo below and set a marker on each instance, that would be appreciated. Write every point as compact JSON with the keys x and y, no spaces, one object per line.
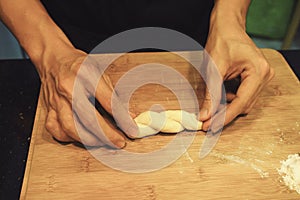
{"x":235,"y":56}
{"x":58,"y":80}
{"x":58,"y":62}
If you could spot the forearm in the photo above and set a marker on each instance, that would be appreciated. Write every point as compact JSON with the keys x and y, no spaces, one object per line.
{"x":37,"y":33}
{"x":228,"y":13}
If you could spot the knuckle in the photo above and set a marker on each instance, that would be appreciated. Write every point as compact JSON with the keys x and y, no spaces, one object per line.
{"x":62,"y":137}
{"x":67,"y":127}
{"x":59,"y":136}
{"x":49,"y":125}
{"x":264,"y":68}
{"x":68,"y":118}
{"x":54,"y":129}
{"x":65,"y":120}
{"x":62,"y":86}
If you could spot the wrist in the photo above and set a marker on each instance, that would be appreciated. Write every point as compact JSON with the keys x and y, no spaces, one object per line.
{"x":44,"y":42}
{"x":48,"y":47}
{"x":229,"y":15}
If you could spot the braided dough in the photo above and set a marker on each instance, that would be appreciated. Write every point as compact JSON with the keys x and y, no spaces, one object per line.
{"x":170,"y":121}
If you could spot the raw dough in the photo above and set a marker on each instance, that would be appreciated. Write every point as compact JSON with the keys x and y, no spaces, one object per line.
{"x":290,"y":171}
{"x":171,"y":121}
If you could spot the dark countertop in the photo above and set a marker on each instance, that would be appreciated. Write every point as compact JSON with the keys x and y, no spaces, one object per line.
{"x":19,"y":86}
{"x":293,"y":58}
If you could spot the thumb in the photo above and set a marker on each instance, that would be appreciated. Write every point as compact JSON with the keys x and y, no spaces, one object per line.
{"x":214,"y":81}
{"x":205,"y":110}
{"x":212,"y":100}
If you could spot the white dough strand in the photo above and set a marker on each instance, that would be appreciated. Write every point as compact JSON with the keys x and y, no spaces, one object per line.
{"x":170,"y":121}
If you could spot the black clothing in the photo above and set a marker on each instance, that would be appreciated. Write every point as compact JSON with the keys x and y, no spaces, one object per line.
{"x":87,"y":23}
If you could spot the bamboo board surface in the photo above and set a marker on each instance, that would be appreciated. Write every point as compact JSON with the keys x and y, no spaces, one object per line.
{"x":243,"y":165}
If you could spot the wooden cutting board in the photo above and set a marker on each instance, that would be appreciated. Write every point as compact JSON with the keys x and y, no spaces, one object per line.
{"x":243,"y":165}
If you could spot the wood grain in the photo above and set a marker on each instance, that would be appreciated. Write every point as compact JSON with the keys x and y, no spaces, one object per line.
{"x":243,"y":165}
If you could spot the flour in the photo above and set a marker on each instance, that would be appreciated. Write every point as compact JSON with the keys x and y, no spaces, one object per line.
{"x":237,"y":159}
{"x":290,"y":171}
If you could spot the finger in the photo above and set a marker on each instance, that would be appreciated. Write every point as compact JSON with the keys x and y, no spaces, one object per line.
{"x":53,"y":127}
{"x":211,"y":103}
{"x":103,"y":91}
{"x":247,"y":111}
{"x":253,"y":101}
{"x":96,"y":124}
{"x":230,"y":97}
{"x":247,"y":92}
{"x":205,"y":111}
{"x":67,"y":121}
{"x":63,"y":113}
{"x":247,"y":95}
{"x":86,"y":137}
{"x":206,"y":124}
{"x":214,"y":90}
{"x":132,"y":115}
{"x":111,"y":103}
{"x":123,"y":118}
{"x":216,"y":121}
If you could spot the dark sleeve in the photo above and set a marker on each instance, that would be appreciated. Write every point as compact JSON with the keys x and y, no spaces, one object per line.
{"x":87,"y":23}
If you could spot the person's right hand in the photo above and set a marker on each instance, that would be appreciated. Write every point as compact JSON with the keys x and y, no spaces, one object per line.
{"x":58,"y":82}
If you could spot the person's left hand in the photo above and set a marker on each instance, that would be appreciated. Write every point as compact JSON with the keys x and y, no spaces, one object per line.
{"x":235,"y":56}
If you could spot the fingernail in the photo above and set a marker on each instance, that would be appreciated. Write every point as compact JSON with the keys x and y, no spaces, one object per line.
{"x":132,"y":131}
{"x":205,"y":128}
{"x":121,"y":144}
{"x":132,"y":115}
